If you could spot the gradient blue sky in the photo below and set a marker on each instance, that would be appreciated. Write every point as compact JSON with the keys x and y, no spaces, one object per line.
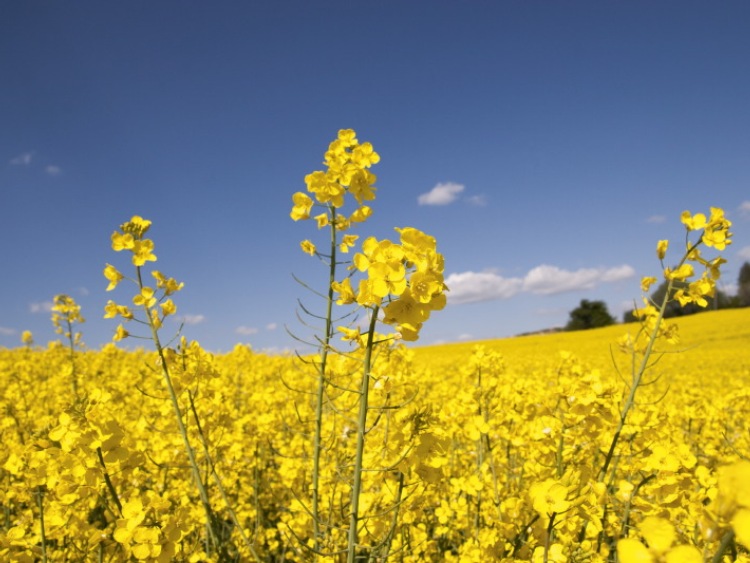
{"x":546,"y":145}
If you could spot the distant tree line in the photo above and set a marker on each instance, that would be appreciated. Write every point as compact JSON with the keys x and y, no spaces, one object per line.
{"x":594,"y":314}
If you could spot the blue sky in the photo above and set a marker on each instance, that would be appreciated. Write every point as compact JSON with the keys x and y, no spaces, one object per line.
{"x":546,"y":145}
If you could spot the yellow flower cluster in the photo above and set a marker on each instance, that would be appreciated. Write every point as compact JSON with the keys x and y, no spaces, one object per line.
{"x":154,"y":301}
{"x":405,"y":279}
{"x":713,"y":233}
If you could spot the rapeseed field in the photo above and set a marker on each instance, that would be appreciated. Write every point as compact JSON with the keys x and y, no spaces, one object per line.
{"x":628,"y":443}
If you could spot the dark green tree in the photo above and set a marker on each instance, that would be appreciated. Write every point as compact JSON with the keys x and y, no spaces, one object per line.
{"x":589,"y":314}
{"x":743,"y":285}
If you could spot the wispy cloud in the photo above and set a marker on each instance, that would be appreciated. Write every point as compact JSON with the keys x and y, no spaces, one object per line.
{"x":22,"y":159}
{"x":744,"y":253}
{"x":7,"y":331}
{"x":192,"y":319}
{"x":745,"y":208}
{"x":549,"y":280}
{"x":272,"y":326}
{"x":40,"y":307}
{"x":441,"y":194}
{"x":478,"y":200}
{"x":246,"y":330}
{"x":656,"y":219}
{"x":473,"y":287}
{"x":53,"y":170}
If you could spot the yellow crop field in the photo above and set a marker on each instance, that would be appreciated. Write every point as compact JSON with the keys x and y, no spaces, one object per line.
{"x":628,"y":443}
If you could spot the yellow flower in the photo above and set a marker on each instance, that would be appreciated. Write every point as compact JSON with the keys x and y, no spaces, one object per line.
{"x":120,"y":333}
{"x":352,"y":335}
{"x":630,"y":550}
{"x":681,"y":273}
{"x":659,"y":533}
{"x":145,"y":298}
{"x":114,"y":277}
{"x":308,"y":247}
{"x":361,"y":214}
{"x":27,"y":338}
{"x":122,"y":241}
{"x":549,"y":496}
{"x":168,"y":308}
{"x":661,"y":249}
{"x":345,"y":291}
{"x":143,"y":251}
{"x":693,"y":222}
{"x":716,"y":233}
{"x":347,"y":242}
{"x":302,"y":206}
{"x":646,"y":283}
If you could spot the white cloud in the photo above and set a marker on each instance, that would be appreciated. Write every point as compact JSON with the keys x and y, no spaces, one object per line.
{"x":7,"y":331}
{"x":548,"y":280}
{"x":22,"y":159}
{"x":471,"y":287}
{"x":617,"y":273}
{"x":465,"y":336}
{"x":41,"y":307}
{"x":441,"y":194}
{"x":656,"y":219}
{"x":246,"y":330}
{"x":730,"y":288}
{"x":478,"y":200}
{"x":272,"y":326}
{"x":744,"y":253}
{"x":192,"y":319}
{"x":745,"y":208}
{"x":53,"y":170}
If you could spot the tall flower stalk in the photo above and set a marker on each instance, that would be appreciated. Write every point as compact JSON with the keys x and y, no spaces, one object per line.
{"x":156,"y":305}
{"x":400,"y":284}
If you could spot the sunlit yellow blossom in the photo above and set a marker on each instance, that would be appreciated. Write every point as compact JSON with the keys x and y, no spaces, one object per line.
{"x":145,"y":298}
{"x":549,"y":496}
{"x":308,"y":247}
{"x":137,"y":226}
{"x":630,"y":550}
{"x":120,"y":333}
{"x":168,"y":307}
{"x":716,"y":233}
{"x":27,"y":338}
{"x":646,"y":283}
{"x":693,"y":222}
{"x":114,"y":276}
{"x":661,"y":249}
{"x":352,"y":335}
{"x":169,"y":285}
{"x":345,"y":291}
{"x":122,"y":241}
{"x":143,"y":251}
{"x":360,"y":214}
{"x":347,"y":242}
{"x":302,"y":206}
{"x":659,"y":533}
{"x":681,"y":273}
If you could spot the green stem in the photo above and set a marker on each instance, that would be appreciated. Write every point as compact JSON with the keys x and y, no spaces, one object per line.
{"x":217,"y":480}
{"x":71,"y":344}
{"x":320,"y":393}
{"x":210,"y":521}
{"x":40,"y":503}
{"x":638,"y":375}
{"x":108,"y":481}
{"x":361,"y":430}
